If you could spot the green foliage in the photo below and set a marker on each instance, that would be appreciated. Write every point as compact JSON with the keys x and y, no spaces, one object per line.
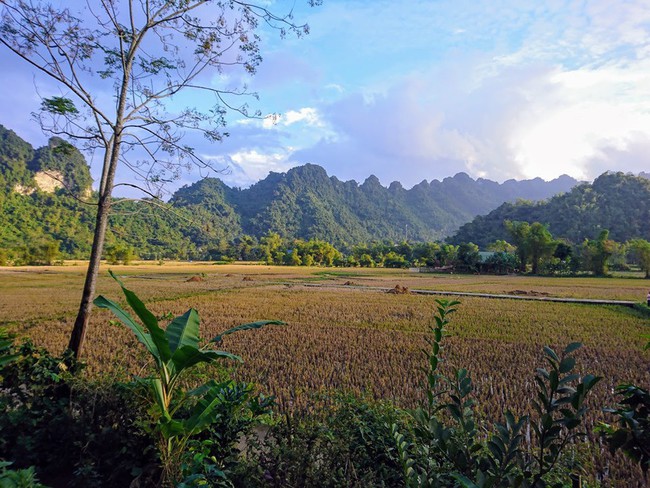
{"x":344,"y":442}
{"x":632,"y":436}
{"x":449,"y":448}
{"x":179,"y":414}
{"x":501,"y":263}
{"x":212,"y":457}
{"x":639,"y":251}
{"x":44,"y":253}
{"x":534,"y":243}
{"x":59,"y":106}
{"x":501,"y":246}
{"x":519,"y":233}
{"x":468,"y":258}
{"x":540,"y":245}
{"x":22,"y":478}
{"x":86,"y":433}
{"x":6,"y":348}
{"x":366,"y":261}
{"x":596,"y":253}
{"x":615,"y":201}
{"x":394,"y":260}
{"x":119,"y":254}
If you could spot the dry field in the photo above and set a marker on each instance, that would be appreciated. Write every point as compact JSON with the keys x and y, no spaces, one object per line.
{"x":357,"y":339}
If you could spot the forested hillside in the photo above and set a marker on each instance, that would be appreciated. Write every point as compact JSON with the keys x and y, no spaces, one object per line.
{"x":306,"y":203}
{"x":42,"y":192}
{"x":206,"y":218}
{"x":617,"y":202}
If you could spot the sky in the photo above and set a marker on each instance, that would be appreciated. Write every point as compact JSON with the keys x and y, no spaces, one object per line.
{"x":421,"y":90}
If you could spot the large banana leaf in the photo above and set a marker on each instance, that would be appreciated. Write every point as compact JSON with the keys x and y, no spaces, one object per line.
{"x":126,"y":319}
{"x":186,"y":356}
{"x":148,"y":319}
{"x":205,"y":411}
{"x":252,"y":325}
{"x":184,"y":331}
{"x":8,"y":359}
{"x":172,"y":428}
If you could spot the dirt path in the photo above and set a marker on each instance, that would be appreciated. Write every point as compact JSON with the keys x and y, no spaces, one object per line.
{"x":586,"y":301}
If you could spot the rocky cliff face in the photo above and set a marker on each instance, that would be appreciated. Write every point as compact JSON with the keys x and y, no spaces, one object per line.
{"x":49,"y":168}
{"x":45,"y":181}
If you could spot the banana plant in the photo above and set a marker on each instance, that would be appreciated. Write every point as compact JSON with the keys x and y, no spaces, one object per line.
{"x":175,"y":351}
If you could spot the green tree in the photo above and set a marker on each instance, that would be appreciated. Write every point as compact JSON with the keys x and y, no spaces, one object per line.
{"x":394,"y":260}
{"x":366,"y":261}
{"x":519,"y":232}
{"x":501,"y":246}
{"x":137,"y":54}
{"x":540,"y":245}
{"x":502,"y":262}
{"x":293,"y":258}
{"x":45,"y":252}
{"x":272,"y":248}
{"x":468,"y":257}
{"x":639,"y":252}
{"x":119,"y":253}
{"x":424,"y":254}
{"x":446,"y":256}
{"x":597,"y":253}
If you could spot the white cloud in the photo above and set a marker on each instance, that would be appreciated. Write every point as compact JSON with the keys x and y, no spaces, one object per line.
{"x":592,"y":109}
{"x":307,"y":116}
{"x":246,"y":167}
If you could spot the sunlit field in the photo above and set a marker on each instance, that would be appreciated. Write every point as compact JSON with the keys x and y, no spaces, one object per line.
{"x":354,"y":338}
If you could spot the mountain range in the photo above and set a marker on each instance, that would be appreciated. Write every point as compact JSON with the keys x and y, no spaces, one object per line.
{"x":617,"y":202}
{"x":306,"y":203}
{"x":40,"y":189}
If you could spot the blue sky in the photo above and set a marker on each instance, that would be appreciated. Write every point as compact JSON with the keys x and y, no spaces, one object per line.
{"x":413,"y":90}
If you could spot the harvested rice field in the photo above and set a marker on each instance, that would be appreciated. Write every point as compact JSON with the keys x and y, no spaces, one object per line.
{"x":354,"y":336}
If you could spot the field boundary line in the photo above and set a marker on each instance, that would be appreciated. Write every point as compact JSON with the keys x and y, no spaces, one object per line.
{"x":584,"y":301}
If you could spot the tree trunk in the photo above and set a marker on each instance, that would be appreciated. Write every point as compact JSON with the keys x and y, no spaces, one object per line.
{"x":111,"y":160}
{"x":78,"y":335}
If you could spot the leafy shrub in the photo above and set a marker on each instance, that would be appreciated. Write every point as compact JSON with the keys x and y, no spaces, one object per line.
{"x":344,"y":442}
{"x":212,"y":456}
{"x":86,"y":433}
{"x":119,"y":254}
{"x":632,"y":436}
{"x":22,"y":478}
{"x":448,"y":448}
{"x":633,"y":433}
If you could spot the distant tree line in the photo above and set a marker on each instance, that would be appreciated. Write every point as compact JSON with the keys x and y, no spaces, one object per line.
{"x":531,"y":249}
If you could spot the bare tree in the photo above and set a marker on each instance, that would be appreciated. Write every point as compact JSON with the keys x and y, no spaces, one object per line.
{"x":122,"y":65}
